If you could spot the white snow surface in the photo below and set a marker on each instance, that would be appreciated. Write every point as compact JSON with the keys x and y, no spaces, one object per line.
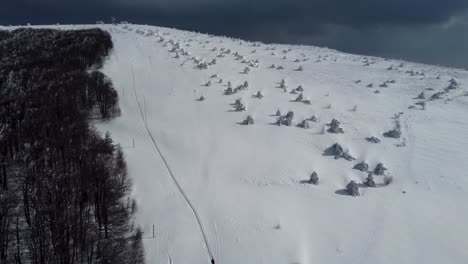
{"x":245,"y":182}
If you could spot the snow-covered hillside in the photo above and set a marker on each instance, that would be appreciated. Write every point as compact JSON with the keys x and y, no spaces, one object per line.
{"x":213,"y":187}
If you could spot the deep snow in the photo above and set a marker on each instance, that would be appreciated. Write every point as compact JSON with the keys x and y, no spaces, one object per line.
{"x":246,"y":182}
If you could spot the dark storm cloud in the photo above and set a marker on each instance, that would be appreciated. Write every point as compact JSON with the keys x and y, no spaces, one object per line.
{"x":231,"y":12}
{"x":364,"y":26}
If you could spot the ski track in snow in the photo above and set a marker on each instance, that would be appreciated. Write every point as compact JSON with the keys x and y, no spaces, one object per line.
{"x":174,"y":179}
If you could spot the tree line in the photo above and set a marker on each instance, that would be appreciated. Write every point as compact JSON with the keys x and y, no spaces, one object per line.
{"x":64,"y":188}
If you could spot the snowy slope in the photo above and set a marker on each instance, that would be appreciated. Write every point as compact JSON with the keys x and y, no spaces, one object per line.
{"x":193,"y":161}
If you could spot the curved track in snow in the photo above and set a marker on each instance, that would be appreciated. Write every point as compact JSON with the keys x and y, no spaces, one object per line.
{"x":174,"y":179}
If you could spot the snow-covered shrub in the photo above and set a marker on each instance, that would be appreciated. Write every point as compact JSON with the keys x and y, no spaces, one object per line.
{"x":228,"y":91}
{"x":299,"y":88}
{"x":286,"y":120}
{"x":422,"y":104}
{"x":281,"y":67}
{"x":259,"y":95}
{"x":201,"y":98}
{"x":384,"y":85}
{"x":214,"y":76}
{"x":337,"y":151}
{"x":335,"y":127}
{"x":313,"y":118}
{"x":314,"y":179}
{"x":362,"y":166}
{"x":300,"y":68}
{"x":352,"y":188}
{"x":239,"y":107}
{"x":293,"y":91}
{"x":422,"y":96}
{"x":370,"y":181}
{"x":278,"y":113}
{"x":248,"y":121}
{"x":394,"y":133}
{"x":370,"y":85}
{"x":380,"y":169}
{"x":304,"y":124}
{"x":299,"y":98}
{"x":283,"y":84}
{"x":373,"y":139}
{"x":388,"y":179}
{"x":437,"y":96}
{"x":246,"y":70}
{"x":208,"y":84}
{"x":202,"y":66}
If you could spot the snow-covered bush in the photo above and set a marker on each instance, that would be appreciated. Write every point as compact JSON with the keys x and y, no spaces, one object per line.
{"x":370,"y":181}
{"x":283,"y":84}
{"x":201,"y":98}
{"x":290,"y":115}
{"x":299,"y":98}
{"x":304,"y":124}
{"x":286,"y":120}
{"x":437,"y":96}
{"x":380,"y":169}
{"x":259,"y":95}
{"x":388,"y":179}
{"x":313,"y":118}
{"x":278,"y":113}
{"x":314,"y":179}
{"x":422,"y":96}
{"x":299,"y":88}
{"x":300,"y":68}
{"x":246,"y":70}
{"x":352,"y":188}
{"x":337,"y":151}
{"x":228,"y":91}
{"x":362,"y":166}
{"x":248,"y":121}
{"x":335,"y":127}
{"x":202,"y":66}
{"x":240,"y":107}
{"x":394,"y":133}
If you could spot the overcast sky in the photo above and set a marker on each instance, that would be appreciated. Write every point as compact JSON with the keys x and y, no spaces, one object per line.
{"x":430,"y":31}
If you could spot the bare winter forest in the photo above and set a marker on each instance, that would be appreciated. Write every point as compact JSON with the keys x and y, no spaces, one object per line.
{"x":64,"y":190}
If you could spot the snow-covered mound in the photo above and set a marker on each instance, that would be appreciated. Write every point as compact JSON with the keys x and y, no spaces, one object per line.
{"x":231,"y":179}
